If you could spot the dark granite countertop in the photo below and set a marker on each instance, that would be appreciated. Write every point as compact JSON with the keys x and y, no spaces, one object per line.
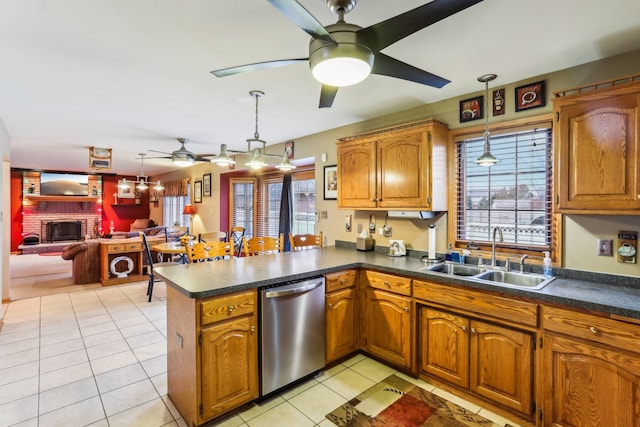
{"x":607,"y":293}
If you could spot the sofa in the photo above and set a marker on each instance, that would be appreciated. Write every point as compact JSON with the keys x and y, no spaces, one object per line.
{"x":86,"y":261}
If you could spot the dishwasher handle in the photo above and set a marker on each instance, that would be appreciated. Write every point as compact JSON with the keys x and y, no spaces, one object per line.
{"x":300,"y":289}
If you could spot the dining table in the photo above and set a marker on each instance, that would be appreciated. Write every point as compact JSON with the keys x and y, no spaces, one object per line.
{"x":171,"y":248}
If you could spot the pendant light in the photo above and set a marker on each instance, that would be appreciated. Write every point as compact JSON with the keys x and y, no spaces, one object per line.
{"x":142,"y":180}
{"x":256,"y":162}
{"x":223,"y":158}
{"x":285,"y":164}
{"x":487,"y":159}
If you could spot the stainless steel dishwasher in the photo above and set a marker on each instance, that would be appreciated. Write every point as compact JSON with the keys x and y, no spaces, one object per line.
{"x":292,"y":333}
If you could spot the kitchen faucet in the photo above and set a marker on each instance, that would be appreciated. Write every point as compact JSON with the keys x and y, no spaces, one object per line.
{"x":493,"y":245}
{"x":524,"y":257}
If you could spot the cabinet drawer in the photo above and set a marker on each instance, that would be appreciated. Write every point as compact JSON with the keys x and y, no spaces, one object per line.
{"x":389,"y":282}
{"x":124,"y":247}
{"x":340,"y":280}
{"x":590,"y":327}
{"x":227,"y":307}
{"x":517,"y":311}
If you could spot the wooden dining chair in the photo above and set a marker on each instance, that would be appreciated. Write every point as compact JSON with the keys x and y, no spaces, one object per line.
{"x":301,"y":242}
{"x":262,"y":245}
{"x":209,"y":251}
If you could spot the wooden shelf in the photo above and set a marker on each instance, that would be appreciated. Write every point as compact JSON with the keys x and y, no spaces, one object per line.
{"x":126,"y":204}
{"x":40,"y":198}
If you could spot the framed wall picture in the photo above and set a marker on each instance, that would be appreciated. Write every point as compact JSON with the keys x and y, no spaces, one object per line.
{"x":99,"y":158}
{"x":330,"y":182}
{"x":206,"y":185}
{"x":472,"y":109}
{"x":530,"y":96}
{"x":197,"y":192}
{"x":127,"y":190}
{"x":288,"y":147}
{"x":498,"y":102}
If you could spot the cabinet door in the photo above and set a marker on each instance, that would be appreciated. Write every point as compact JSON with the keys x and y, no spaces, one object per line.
{"x":229,"y":365}
{"x":444,"y":345}
{"x":357,"y":174}
{"x":501,"y":365}
{"x":341,"y":324}
{"x":597,"y":155}
{"x":388,"y":326}
{"x":403,"y":164}
{"x":589,"y":385}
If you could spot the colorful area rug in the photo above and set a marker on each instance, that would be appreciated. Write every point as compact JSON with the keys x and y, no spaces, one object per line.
{"x":398,"y":403}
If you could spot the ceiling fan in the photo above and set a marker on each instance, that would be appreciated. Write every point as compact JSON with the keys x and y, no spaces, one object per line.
{"x":343,"y":54}
{"x":183,"y":157}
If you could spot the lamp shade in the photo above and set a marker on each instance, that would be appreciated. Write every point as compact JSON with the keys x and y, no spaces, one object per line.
{"x":189,"y":210}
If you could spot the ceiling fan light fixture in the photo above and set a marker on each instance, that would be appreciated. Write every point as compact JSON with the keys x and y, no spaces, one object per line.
{"x":486,"y":159}
{"x":342,"y":64}
{"x":182,"y":159}
{"x":285,"y":164}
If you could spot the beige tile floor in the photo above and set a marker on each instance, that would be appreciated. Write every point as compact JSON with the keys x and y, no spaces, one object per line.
{"x":97,"y":357}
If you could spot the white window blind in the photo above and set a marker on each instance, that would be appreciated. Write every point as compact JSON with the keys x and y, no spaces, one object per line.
{"x":515,"y":194}
{"x":172,"y":208}
{"x":242,"y":205}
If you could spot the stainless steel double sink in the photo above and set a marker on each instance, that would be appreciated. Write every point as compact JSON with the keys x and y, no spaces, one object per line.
{"x":510,"y":279}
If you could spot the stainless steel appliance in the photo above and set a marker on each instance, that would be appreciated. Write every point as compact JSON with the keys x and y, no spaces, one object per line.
{"x":292,"y":333}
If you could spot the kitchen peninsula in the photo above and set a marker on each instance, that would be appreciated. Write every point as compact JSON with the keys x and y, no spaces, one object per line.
{"x":212,"y":330}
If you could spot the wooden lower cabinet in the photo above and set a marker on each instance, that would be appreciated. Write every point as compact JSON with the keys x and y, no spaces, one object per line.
{"x":387,"y":326}
{"x":341,"y":301}
{"x":491,"y":361}
{"x":212,"y":353}
{"x":592,"y":366}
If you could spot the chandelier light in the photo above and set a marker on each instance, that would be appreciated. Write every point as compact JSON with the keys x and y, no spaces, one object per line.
{"x":142,"y":180}
{"x":223,"y":159}
{"x":487,"y":159}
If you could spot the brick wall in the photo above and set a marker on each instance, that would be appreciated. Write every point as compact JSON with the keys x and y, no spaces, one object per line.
{"x":36,"y":215}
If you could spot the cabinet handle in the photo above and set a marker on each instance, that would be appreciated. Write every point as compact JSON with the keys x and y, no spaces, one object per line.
{"x":373,"y":200}
{"x":230,"y":308}
{"x":473,"y":330}
{"x":557,"y":199}
{"x":464,"y":329}
{"x":342,"y":281}
{"x":252,"y":328}
{"x":386,"y":284}
{"x":593,"y":330}
{"x":406,"y":309}
{"x":330,"y":305}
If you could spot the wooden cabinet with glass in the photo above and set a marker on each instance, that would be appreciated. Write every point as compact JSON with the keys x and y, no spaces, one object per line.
{"x":403,"y":167}
{"x":592,"y":369}
{"x":342,"y":314}
{"x":478,"y":342}
{"x":596,"y":153}
{"x":215,"y":369}
{"x":388,"y":320}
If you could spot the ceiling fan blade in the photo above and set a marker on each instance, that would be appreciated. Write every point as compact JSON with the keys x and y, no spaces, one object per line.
{"x":157,"y":157}
{"x":303,"y":19}
{"x":387,"y":66}
{"x":327,"y":94}
{"x":255,"y":66}
{"x":161,"y":152}
{"x":387,"y":32}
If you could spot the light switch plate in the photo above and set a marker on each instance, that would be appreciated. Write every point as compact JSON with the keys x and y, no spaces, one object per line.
{"x":605,"y":247}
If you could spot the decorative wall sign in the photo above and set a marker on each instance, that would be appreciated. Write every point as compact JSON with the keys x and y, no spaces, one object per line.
{"x":627,"y":247}
{"x":472,"y":109}
{"x":530,"y":96}
{"x":197,"y":192}
{"x":331,"y":182}
{"x":99,"y":158}
{"x":498,"y":102}
{"x":206,"y":185}
{"x":288,"y":147}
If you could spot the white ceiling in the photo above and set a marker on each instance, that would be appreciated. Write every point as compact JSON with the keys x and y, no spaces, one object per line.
{"x":134,"y":75}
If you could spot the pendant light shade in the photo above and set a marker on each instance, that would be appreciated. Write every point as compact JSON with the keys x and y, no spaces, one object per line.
{"x":286,"y":165}
{"x":223,"y":158}
{"x":486,"y":159}
{"x":256,"y":162}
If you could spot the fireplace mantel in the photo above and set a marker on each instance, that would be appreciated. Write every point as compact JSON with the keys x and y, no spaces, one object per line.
{"x":82,"y":199}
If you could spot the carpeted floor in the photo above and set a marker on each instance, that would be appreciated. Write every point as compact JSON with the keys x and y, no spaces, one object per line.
{"x":34,"y":275}
{"x":399,"y":403}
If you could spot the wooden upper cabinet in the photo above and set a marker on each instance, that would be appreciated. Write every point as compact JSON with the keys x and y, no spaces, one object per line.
{"x":404,"y":167}
{"x":597,"y":159}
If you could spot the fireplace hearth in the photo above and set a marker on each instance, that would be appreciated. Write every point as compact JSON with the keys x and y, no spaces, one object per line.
{"x":61,"y":231}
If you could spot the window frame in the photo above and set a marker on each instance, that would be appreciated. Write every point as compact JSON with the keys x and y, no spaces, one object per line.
{"x":484,"y":247}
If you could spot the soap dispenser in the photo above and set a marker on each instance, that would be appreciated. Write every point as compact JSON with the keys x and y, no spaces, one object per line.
{"x":546,"y":265}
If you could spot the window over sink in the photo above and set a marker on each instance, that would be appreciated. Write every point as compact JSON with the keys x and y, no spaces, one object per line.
{"x":515,"y":194}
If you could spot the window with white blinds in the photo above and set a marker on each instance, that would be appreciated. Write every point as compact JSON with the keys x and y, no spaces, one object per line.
{"x":266,"y":205}
{"x":515,"y":194}
{"x":172,"y":208}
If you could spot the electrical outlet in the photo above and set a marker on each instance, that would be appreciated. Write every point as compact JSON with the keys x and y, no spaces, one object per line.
{"x":386,"y":231}
{"x":605,"y":247}
{"x":359,"y":228}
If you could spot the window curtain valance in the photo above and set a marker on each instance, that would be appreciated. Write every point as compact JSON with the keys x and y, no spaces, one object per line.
{"x":176,"y":188}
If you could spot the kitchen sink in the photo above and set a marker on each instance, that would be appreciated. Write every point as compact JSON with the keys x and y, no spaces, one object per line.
{"x":511,"y":279}
{"x":457,"y":269}
{"x":514,"y":279}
